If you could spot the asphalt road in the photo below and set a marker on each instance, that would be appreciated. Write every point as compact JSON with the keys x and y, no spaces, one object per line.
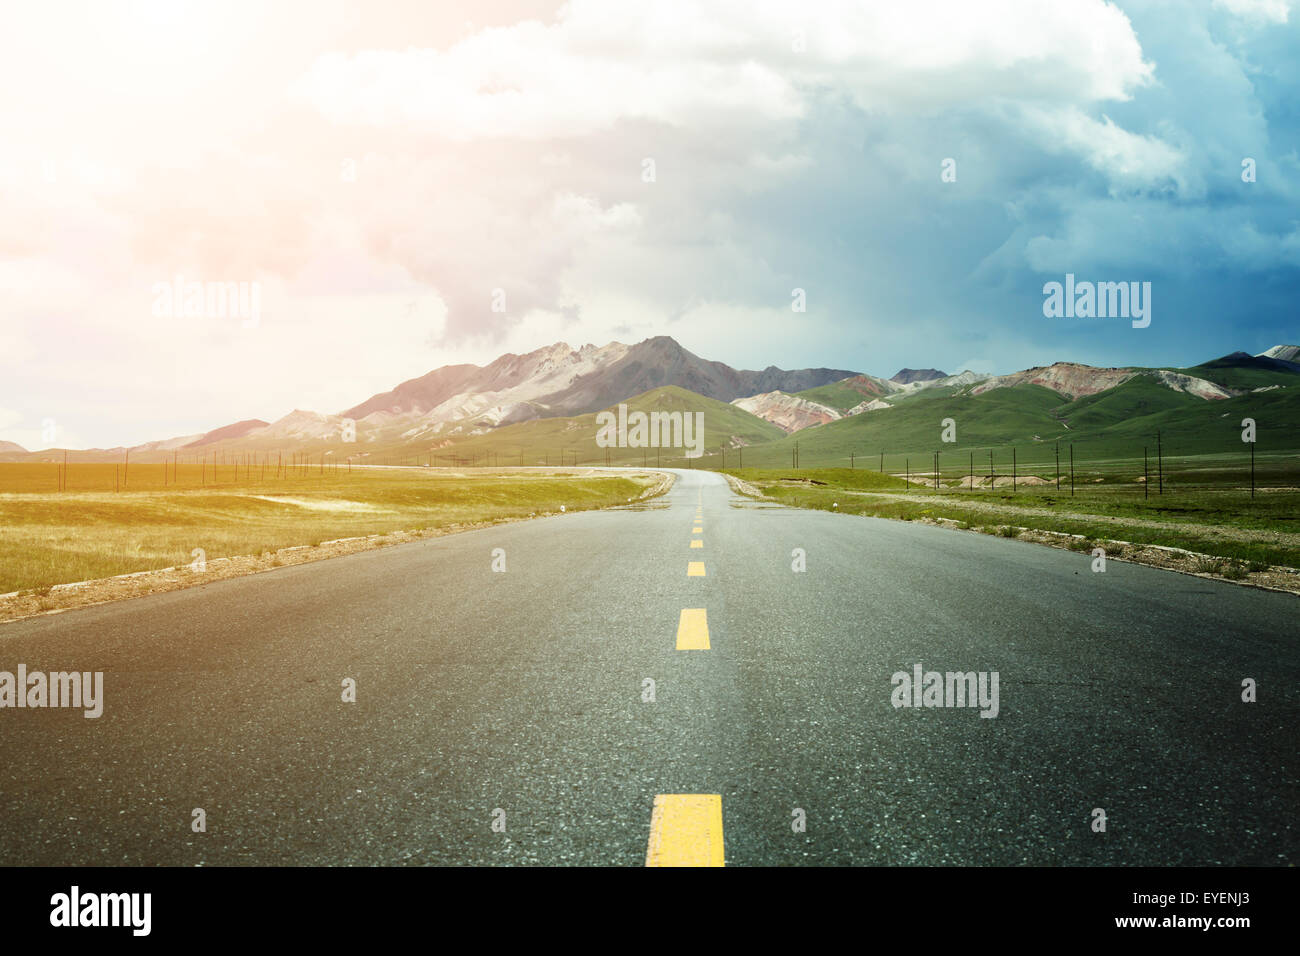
{"x":517,"y":698}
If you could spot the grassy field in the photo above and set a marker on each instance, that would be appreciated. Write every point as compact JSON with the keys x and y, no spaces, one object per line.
{"x":90,"y":531}
{"x":1228,"y":470}
{"x":1210,"y":518}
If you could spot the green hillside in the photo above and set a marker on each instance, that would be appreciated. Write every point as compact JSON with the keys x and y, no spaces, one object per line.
{"x":1115,"y":424}
{"x":1117,"y":410}
{"x":915,"y":426}
{"x":1196,"y":426}
{"x":844,"y":394}
{"x":555,"y":440}
{"x":1242,"y":372}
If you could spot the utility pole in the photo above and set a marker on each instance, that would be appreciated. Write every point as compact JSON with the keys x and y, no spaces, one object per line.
{"x":1160,"y":464}
{"x":1013,"y":469}
{"x":936,"y":471}
{"x":992,"y":474}
{"x":1071,"y":469}
{"x":1252,"y":470}
{"x":1146,"y":474}
{"x":1058,"y":466}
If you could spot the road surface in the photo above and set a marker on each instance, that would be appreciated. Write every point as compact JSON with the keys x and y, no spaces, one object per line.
{"x":504,"y":717}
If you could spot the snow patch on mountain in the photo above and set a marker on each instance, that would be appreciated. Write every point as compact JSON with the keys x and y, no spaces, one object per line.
{"x":874,"y":405}
{"x":961,"y":379}
{"x":1190,"y":384}
{"x":1286,"y":353}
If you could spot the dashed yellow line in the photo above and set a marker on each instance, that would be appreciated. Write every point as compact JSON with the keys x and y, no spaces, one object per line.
{"x":693,"y":630}
{"x":686,"y":830}
{"x":695,"y":569}
{"x":697,"y":530}
{"x":697,"y":543}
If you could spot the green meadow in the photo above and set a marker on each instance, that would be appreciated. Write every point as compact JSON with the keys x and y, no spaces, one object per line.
{"x":1210,"y":517}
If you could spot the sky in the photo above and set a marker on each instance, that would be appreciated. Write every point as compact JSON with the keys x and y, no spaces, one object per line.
{"x":400,"y":186}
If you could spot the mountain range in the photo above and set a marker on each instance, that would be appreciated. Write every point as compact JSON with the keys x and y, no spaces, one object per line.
{"x":514,"y":396}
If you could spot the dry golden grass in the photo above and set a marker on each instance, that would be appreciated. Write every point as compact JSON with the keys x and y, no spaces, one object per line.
{"x":49,"y":537}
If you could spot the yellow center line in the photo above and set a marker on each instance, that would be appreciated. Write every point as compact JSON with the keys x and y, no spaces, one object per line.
{"x":697,"y":530}
{"x":693,"y":630}
{"x":697,"y":543}
{"x":695,"y":569}
{"x":686,"y":830}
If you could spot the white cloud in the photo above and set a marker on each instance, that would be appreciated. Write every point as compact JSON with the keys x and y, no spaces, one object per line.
{"x":690,"y":63}
{"x":1128,"y":160}
{"x":795,"y":144}
{"x":1274,"y":11}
